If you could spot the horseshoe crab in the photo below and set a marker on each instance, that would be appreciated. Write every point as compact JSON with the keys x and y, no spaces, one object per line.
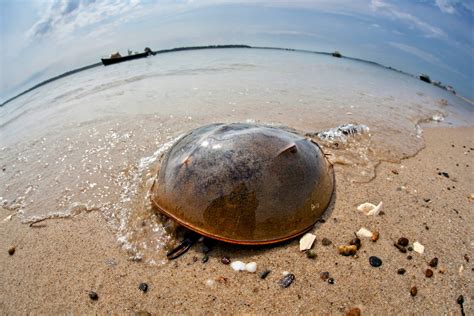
{"x":244,"y":183}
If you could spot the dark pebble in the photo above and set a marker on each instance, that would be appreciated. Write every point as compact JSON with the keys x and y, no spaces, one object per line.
{"x":331,"y":281}
{"x":287,"y":280}
{"x":354,"y":312}
{"x":324,"y":275}
{"x":205,"y":259}
{"x":375,"y":261}
{"x":410,"y":248}
{"x":403,"y":241}
{"x":444,"y":174}
{"x":356,"y":242}
{"x":143,"y":287}
{"x":429,"y":273}
{"x":93,"y":296}
{"x":326,"y":242}
{"x":264,"y":274}
{"x":426,"y":200}
{"x":225,"y":260}
{"x":401,"y":248}
{"x":413,"y":291}
{"x":433,"y":263}
{"x":409,"y":257}
{"x":311,"y":254}
{"x":460,"y":300}
{"x":466,"y":257}
{"x":401,"y":271}
{"x":11,"y":251}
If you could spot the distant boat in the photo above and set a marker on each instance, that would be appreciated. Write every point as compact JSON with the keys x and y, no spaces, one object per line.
{"x":425,"y":78}
{"x":117,"y":58}
{"x":336,"y":54}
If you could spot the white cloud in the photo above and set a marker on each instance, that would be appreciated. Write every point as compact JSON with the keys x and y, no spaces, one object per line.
{"x":415,"y":52}
{"x":394,"y":12}
{"x":445,"y":6}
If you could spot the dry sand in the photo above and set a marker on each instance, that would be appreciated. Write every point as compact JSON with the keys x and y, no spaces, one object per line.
{"x":57,"y":263}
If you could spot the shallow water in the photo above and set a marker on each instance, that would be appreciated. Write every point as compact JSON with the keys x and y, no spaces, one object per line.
{"x":92,"y":141}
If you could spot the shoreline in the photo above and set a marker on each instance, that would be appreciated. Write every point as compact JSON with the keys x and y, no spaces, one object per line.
{"x":57,"y":263}
{"x":229,"y":46}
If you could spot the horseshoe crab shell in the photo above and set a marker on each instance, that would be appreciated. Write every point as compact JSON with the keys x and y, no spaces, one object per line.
{"x":244,"y":183}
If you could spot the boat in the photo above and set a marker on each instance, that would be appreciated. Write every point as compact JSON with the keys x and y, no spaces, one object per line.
{"x":117,"y":58}
{"x":425,"y":78}
{"x":336,"y":54}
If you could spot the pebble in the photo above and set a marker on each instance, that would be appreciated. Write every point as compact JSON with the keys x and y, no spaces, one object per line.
{"x":375,"y":236}
{"x":143,"y":287}
{"x":433,"y":263}
{"x":225,"y":260}
{"x":311,"y":254}
{"x":418,"y":247}
{"x":287,"y":280}
{"x":409,"y":257}
{"x":413,"y":291}
{"x":324,"y":275}
{"x":375,"y":261}
{"x":238,"y":265}
{"x":205,"y":259}
{"x":347,"y":250}
{"x":11,"y":250}
{"x":331,"y":281}
{"x":429,"y":273}
{"x":356,"y":242}
{"x":444,"y":174}
{"x":403,"y":241}
{"x":400,"y":248}
{"x":251,"y":267}
{"x":264,"y":274}
{"x":93,"y":296}
{"x":401,"y":271}
{"x":354,"y":312}
{"x":326,"y":242}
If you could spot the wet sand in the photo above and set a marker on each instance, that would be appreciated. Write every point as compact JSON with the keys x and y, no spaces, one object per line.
{"x":57,"y":263}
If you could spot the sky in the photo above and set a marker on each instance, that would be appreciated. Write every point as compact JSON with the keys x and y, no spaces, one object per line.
{"x":40,"y":39}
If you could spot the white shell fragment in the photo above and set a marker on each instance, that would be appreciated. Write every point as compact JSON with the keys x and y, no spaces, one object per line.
{"x":237,"y":265}
{"x":370,"y":209}
{"x":306,"y":242}
{"x":364,"y":232}
{"x":418,"y":247}
{"x":210,"y":282}
{"x":8,"y":218}
{"x":251,"y":267}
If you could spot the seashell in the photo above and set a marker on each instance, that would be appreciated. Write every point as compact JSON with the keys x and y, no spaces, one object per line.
{"x":251,"y":267}
{"x":370,"y":209}
{"x":364,"y":232}
{"x":238,"y":265}
{"x":418,"y":247}
{"x":306,"y":242}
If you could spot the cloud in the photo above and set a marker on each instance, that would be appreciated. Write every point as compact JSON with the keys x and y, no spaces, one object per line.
{"x":445,"y":6}
{"x":63,"y":17}
{"x":415,"y":52}
{"x":394,"y":12}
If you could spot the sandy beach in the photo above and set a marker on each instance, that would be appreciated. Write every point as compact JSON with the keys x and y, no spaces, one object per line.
{"x":427,"y":198}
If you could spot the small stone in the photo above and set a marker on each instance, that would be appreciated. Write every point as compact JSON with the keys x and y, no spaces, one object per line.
{"x":287,"y":280}
{"x":402,"y":241}
{"x":444,"y":174}
{"x":400,"y":248}
{"x":324,"y":275}
{"x":326,"y":242}
{"x":205,"y":259}
{"x":238,"y":265}
{"x":354,"y":312}
{"x":418,"y":247}
{"x":409,"y":257}
{"x":347,"y":250}
{"x":460,"y":300}
{"x":143,"y":287}
{"x":311,"y":254}
{"x":210,"y":282}
{"x":264,"y":274}
{"x":11,"y":250}
{"x":433,"y":263}
{"x":429,"y":273}
{"x":401,"y":271}
{"x":251,"y":267}
{"x":466,"y":257}
{"x":93,"y":296}
{"x":331,"y":281}
{"x":356,"y":242}
{"x":410,"y":248}
{"x":442,"y":270}
{"x":413,"y":291}
{"x":225,"y":260}
{"x":375,"y":261}
{"x":375,"y":236}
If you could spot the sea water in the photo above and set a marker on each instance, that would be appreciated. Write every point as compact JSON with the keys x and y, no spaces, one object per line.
{"x":92,"y":141}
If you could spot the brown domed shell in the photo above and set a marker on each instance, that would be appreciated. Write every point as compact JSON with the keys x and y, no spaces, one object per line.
{"x":244,"y":183}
